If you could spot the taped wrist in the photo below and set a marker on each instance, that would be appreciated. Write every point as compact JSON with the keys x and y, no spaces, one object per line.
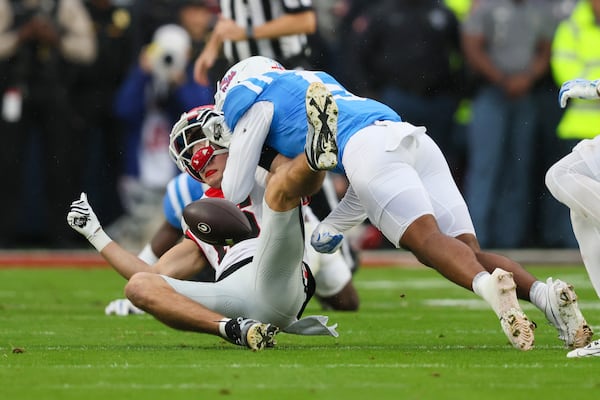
{"x":99,"y":239}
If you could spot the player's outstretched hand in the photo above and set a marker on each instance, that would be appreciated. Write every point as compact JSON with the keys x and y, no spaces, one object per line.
{"x":578,"y":89}
{"x":82,"y":219}
{"x":326,"y":239}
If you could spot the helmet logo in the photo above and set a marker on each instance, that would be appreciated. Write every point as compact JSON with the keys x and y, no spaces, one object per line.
{"x":226,"y":81}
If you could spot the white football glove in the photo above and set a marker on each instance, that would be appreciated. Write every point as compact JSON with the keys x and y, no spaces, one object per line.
{"x":122,"y":308}
{"x":578,"y":89}
{"x":326,"y":239}
{"x":214,"y":127}
{"x":81,"y":218}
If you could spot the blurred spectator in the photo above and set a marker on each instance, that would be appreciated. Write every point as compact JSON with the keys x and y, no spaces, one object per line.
{"x":150,"y":100}
{"x":507,"y":43}
{"x":96,"y":85}
{"x":551,"y":227}
{"x":276,"y":29}
{"x":576,"y":54}
{"x":410,"y":53}
{"x":198,"y":18}
{"x":353,"y":22}
{"x":148,"y":16}
{"x":39,"y":41}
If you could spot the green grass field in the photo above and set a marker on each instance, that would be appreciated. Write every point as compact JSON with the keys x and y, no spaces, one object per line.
{"x":417,"y":336}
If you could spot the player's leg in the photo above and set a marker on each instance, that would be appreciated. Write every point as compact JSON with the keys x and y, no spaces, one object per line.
{"x":332,"y":272}
{"x":335,"y":289}
{"x":588,"y":237}
{"x":555,"y":298}
{"x":278,"y":259}
{"x":200,"y":307}
{"x":572,"y":182}
{"x":386,"y":175}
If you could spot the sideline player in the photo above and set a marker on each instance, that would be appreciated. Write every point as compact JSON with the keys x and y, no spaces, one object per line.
{"x":574,"y":180}
{"x":398,"y":178}
{"x":254,"y":278}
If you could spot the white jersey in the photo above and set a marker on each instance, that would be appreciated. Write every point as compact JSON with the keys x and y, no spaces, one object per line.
{"x":252,"y":208}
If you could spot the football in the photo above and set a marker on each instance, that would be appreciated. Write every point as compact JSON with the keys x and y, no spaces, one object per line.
{"x":217,"y":221}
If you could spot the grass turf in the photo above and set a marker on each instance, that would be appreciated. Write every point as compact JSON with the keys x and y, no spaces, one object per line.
{"x":417,"y":336}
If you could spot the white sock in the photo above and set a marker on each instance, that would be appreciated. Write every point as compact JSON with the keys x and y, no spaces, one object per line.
{"x":222,"y":327}
{"x":481,"y":283}
{"x":538,"y":295}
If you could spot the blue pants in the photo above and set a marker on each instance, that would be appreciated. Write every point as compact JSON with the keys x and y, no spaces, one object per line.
{"x":498,"y":180}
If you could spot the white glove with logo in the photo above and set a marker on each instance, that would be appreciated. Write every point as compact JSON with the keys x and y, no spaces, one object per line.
{"x":122,"y":308}
{"x":214,"y":127}
{"x":81,"y":218}
{"x":326,"y":239}
{"x":578,"y":89}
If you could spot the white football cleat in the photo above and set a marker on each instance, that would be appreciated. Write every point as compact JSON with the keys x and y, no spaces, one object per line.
{"x":321,"y":139}
{"x":503,"y":299}
{"x":591,"y":350}
{"x":563,"y":312}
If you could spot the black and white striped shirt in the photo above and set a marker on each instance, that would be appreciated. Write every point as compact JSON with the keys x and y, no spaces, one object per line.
{"x":255,"y":13}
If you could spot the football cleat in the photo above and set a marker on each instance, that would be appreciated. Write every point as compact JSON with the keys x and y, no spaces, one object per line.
{"x":250,"y":333}
{"x":591,"y":350}
{"x":563,"y":312}
{"x":322,"y":114}
{"x":515,"y":324}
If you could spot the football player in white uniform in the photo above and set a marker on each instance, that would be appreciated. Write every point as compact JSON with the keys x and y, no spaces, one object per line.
{"x":398,"y":178}
{"x":574,"y":180}
{"x":255,"y":279}
{"x":333,"y":276}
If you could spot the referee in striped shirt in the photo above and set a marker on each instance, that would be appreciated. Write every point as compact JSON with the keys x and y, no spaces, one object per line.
{"x":276,"y":29}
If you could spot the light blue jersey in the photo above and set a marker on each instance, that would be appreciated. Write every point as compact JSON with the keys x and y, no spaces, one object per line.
{"x":286,"y":90}
{"x":181,"y":191}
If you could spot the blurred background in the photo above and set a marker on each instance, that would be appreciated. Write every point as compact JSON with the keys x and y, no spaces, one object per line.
{"x":90,"y":90}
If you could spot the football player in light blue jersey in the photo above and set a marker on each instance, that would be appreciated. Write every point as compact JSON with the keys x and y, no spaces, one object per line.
{"x":287,"y":132}
{"x":398,"y":178}
{"x":181,"y":191}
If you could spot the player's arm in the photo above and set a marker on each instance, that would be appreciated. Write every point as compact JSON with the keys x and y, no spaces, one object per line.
{"x":81,"y":218}
{"x":207,"y":58}
{"x":182,"y":261}
{"x":245,"y":150}
{"x":288,"y":24}
{"x":164,"y":238}
{"x":328,"y":235}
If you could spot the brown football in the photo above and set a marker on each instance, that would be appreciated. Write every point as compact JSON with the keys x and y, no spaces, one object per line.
{"x":217,"y":221}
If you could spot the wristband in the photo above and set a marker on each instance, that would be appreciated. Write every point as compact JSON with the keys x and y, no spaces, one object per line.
{"x":99,"y":239}
{"x":249,"y":32}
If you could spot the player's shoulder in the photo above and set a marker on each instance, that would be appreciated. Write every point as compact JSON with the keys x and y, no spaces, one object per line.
{"x":184,"y":188}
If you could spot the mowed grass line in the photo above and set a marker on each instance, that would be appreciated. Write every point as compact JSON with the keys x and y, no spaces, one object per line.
{"x":416,"y":336}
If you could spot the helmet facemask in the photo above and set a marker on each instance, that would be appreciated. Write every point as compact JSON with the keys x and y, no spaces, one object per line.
{"x":187,"y":134}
